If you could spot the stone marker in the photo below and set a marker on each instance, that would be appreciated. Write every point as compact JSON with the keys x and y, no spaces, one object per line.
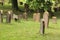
{"x":8,"y":18}
{"x":54,"y":19}
{"x":37,"y":17}
{"x":25,"y":16}
{"x":1,"y":16}
{"x":46,"y":18}
{"x":20,"y":16}
{"x":15,"y":17}
{"x":34,"y":16}
{"x":11,"y":14}
{"x":42,"y":26}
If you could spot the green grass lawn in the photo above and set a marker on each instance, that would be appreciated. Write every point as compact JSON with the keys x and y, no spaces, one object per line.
{"x":28,"y":30}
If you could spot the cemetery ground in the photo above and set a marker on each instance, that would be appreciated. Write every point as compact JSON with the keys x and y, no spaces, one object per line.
{"x":29,"y":30}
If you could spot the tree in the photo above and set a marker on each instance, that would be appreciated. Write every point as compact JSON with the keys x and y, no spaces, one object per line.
{"x":14,"y":4}
{"x":39,"y":4}
{"x":33,"y":4}
{"x":10,"y":1}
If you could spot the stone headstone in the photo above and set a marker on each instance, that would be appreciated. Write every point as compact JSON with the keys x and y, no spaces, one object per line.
{"x":54,"y":19}
{"x":11,"y":14}
{"x":46,"y":18}
{"x":42,"y":26}
{"x":8,"y":17}
{"x":36,"y":17}
{"x":15,"y":17}
{"x":20,"y":16}
{"x":1,"y":15}
{"x":25,"y":16}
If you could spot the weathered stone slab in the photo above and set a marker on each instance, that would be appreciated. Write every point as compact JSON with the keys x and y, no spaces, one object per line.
{"x":25,"y":16}
{"x":8,"y":17}
{"x":1,"y":16}
{"x":54,"y":19}
{"x":46,"y":18}
{"x":15,"y":17}
{"x":42,"y":26}
{"x":36,"y":17}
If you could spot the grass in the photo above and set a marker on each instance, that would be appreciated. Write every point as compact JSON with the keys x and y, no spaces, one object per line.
{"x":28,"y":30}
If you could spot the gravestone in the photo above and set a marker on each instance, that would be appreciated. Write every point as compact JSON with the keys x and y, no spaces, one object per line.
{"x":1,"y":16}
{"x":15,"y":17}
{"x":42,"y":26}
{"x":54,"y":19}
{"x":34,"y":16}
{"x":20,"y":16}
{"x":8,"y":17}
{"x":11,"y":14}
{"x":25,"y":16}
{"x":37,"y":17}
{"x":46,"y":18}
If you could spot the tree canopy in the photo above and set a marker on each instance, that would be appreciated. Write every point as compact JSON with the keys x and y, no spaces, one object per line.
{"x":39,"y":4}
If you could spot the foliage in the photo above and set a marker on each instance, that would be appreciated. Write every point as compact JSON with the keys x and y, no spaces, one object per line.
{"x":38,"y":4}
{"x":33,"y":4}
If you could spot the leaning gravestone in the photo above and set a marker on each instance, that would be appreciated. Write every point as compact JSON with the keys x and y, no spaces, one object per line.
{"x":42,"y":26}
{"x":54,"y":19}
{"x":1,"y":16}
{"x":25,"y":16}
{"x":46,"y":18}
{"x":8,"y":17}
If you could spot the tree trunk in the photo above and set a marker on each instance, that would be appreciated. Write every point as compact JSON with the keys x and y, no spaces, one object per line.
{"x":14,"y":4}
